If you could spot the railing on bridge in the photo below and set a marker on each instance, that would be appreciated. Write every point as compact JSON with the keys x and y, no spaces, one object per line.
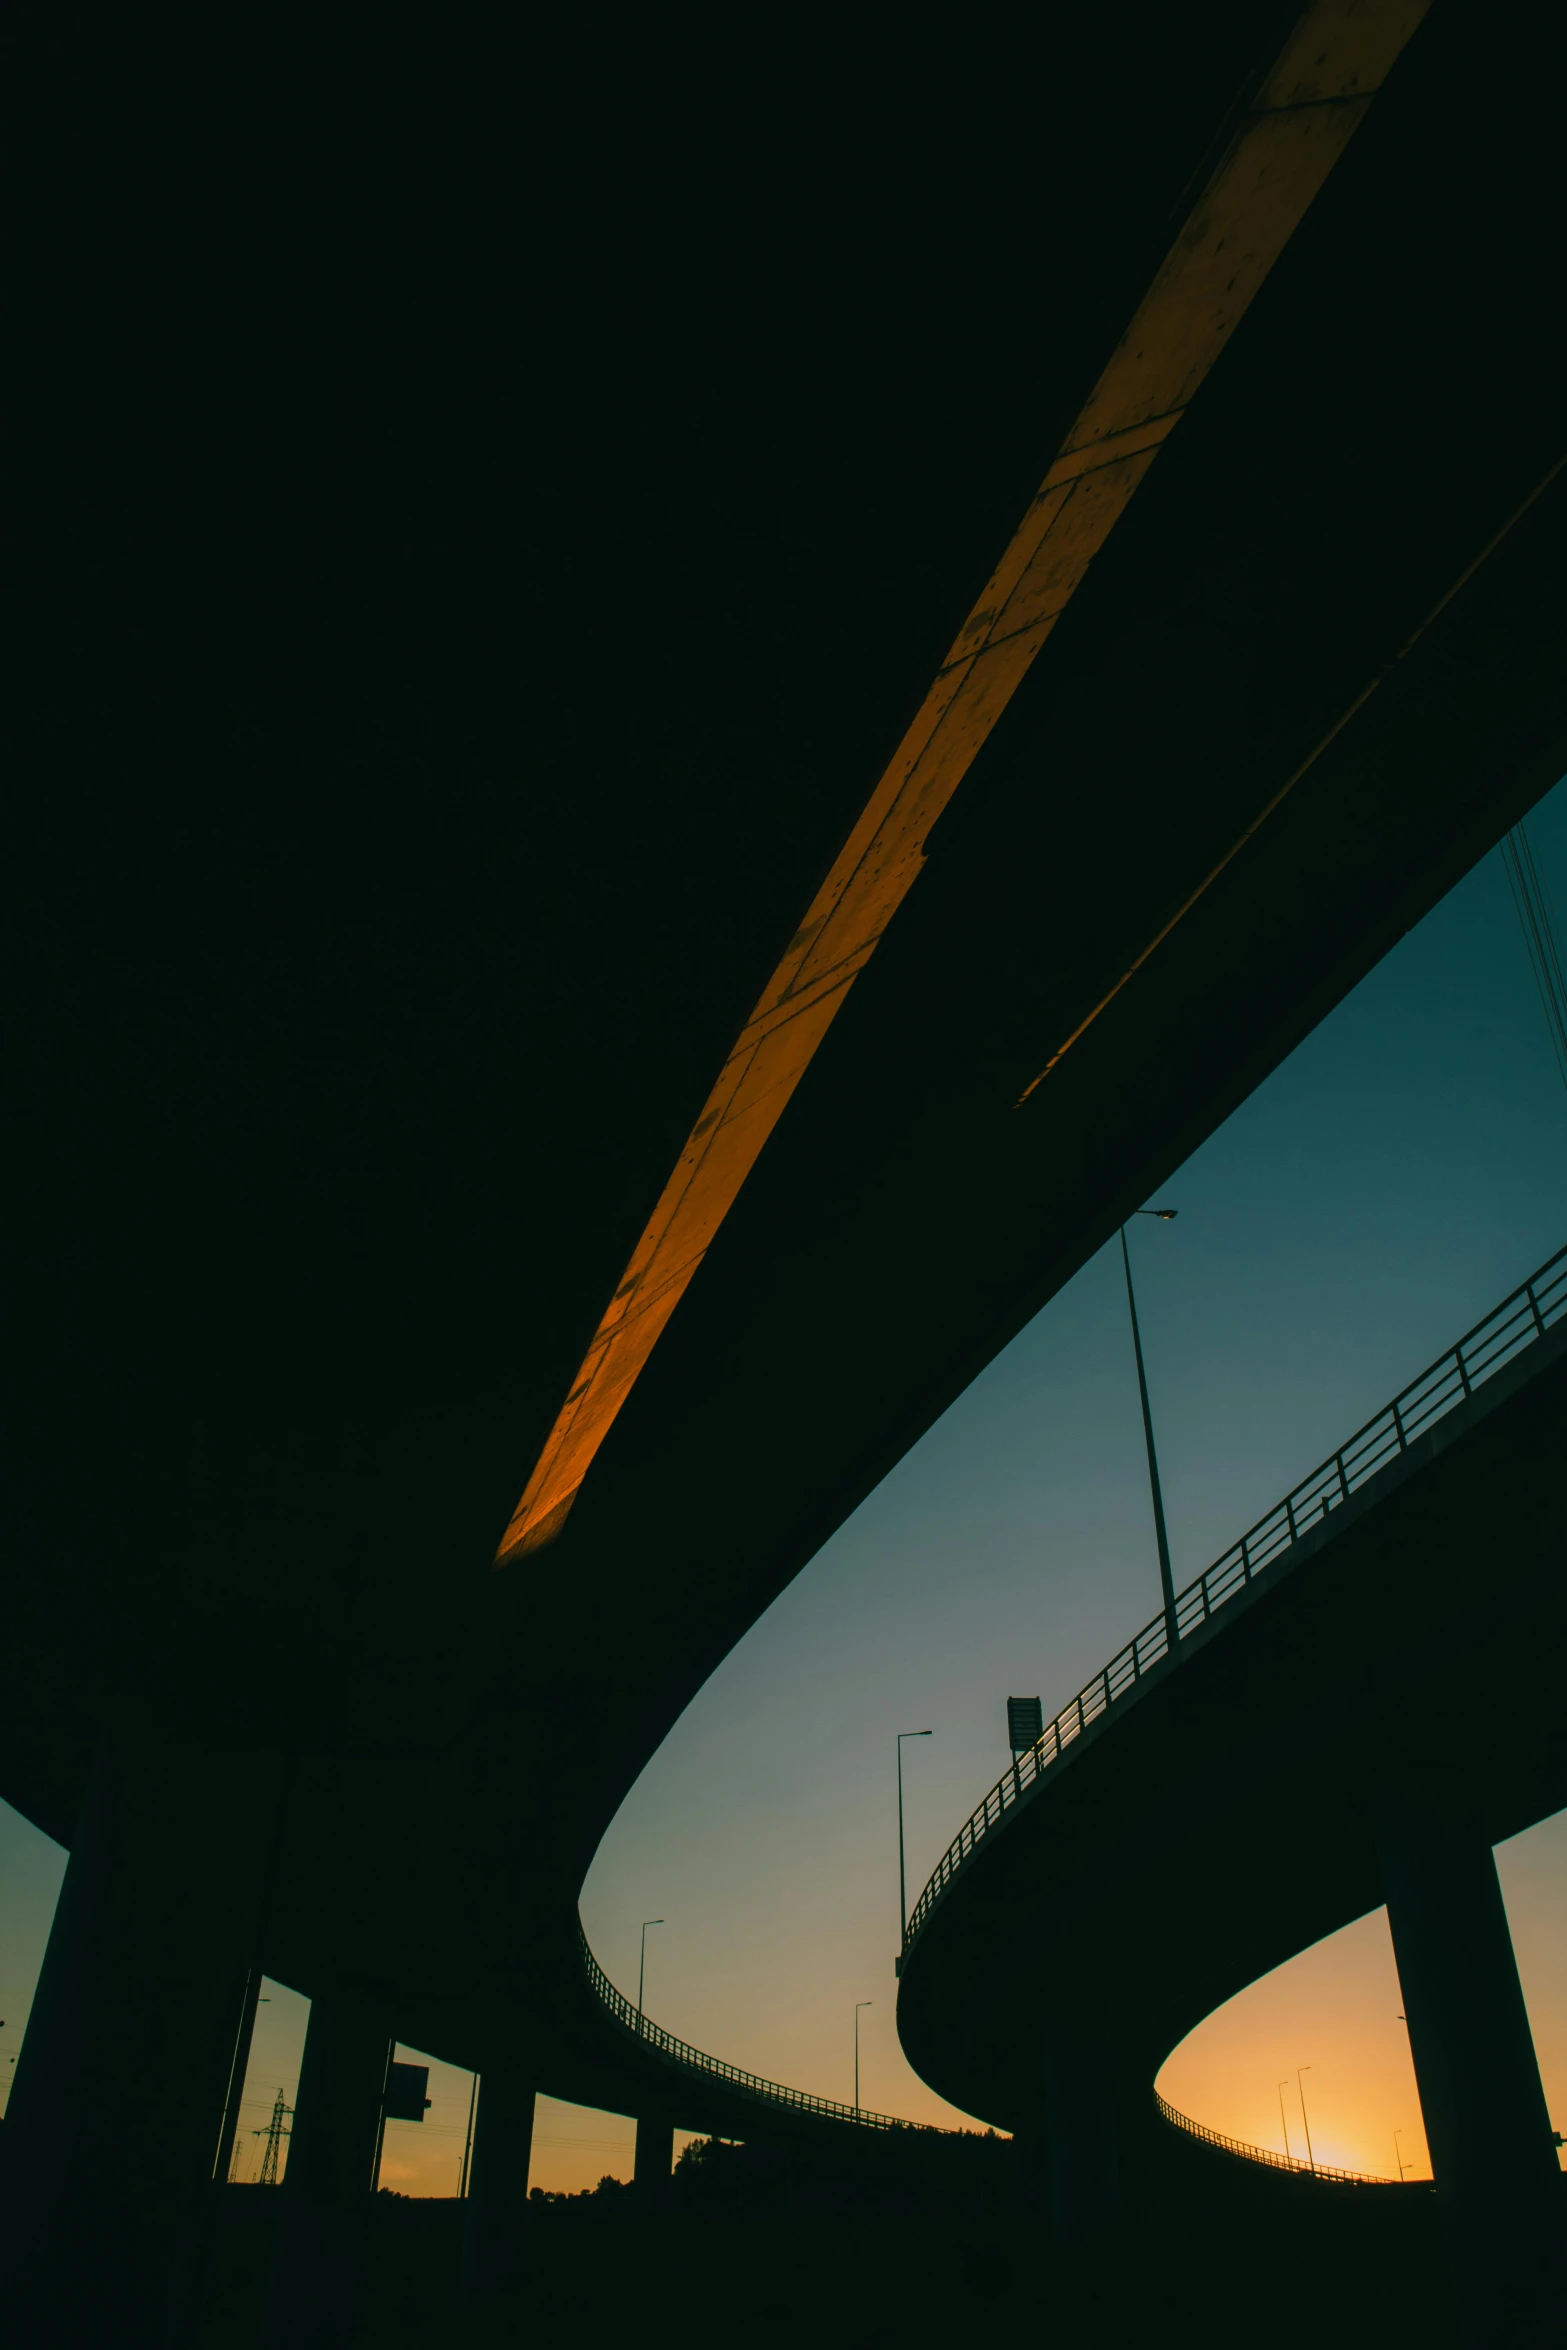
{"x":1295,"y":2162}
{"x":800,"y":2101}
{"x":1510,"y":1327}
{"x":712,"y":2068}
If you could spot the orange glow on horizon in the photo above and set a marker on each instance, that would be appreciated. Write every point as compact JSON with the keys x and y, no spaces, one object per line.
{"x":1334,"y":2008}
{"x":1337,"y":2007}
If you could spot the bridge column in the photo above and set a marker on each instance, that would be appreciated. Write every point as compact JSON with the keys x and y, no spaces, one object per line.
{"x":107,"y":2154}
{"x":313,"y":2290}
{"x":655,"y":2160}
{"x":1497,"y":2183}
{"x":1081,"y":2164}
{"x":493,"y":2225}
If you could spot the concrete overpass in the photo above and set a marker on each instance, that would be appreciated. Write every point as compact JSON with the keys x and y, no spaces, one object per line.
{"x":1362,"y":1703}
{"x":393,"y":905}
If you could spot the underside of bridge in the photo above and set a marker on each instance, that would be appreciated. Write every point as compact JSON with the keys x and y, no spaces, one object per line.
{"x":495,"y":524}
{"x":1435,"y":1600}
{"x":1244,"y":1802}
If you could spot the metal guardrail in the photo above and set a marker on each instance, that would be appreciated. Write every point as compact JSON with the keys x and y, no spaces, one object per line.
{"x":1311,"y":2170}
{"x":712,"y":2068}
{"x":1516,"y":1323}
{"x":800,"y":2101}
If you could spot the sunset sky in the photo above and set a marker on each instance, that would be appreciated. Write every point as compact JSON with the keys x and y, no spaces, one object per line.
{"x":1403,"y":1170}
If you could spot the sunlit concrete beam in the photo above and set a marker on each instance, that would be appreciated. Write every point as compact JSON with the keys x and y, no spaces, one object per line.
{"x":1305,"y":111}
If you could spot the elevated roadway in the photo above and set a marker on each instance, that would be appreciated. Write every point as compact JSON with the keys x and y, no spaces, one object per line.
{"x":394,"y":898}
{"x":385,"y":1133}
{"x":1389,"y":1638}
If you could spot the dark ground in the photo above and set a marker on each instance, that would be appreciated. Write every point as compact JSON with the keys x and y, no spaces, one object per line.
{"x":1333,"y":2265}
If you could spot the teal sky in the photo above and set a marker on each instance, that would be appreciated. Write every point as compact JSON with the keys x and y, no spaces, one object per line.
{"x":1402,"y":1170}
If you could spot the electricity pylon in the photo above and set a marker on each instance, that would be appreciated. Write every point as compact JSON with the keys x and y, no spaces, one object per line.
{"x":274,"y":2134}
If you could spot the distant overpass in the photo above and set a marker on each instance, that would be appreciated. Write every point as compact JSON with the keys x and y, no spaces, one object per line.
{"x":1365,"y":1699}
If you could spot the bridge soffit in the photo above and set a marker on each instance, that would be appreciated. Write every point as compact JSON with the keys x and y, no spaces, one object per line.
{"x":1305,"y":111}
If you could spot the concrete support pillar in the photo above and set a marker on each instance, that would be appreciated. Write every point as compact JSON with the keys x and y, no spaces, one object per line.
{"x":655,"y":2160}
{"x":492,"y":2264}
{"x":1498,"y":2187}
{"x":313,"y":2290}
{"x":108,"y":2151}
{"x":1082,"y":2169}
{"x":244,"y":2040}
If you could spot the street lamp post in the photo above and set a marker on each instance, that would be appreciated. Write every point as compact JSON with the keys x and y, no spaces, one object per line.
{"x":1301,"y":2094}
{"x":858,"y":2004}
{"x":1283,"y":2124}
{"x":1398,"y":2151}
{"x":642,"y":1965}
{"x":1172,"y":1630}
{"x":903,"y":1886}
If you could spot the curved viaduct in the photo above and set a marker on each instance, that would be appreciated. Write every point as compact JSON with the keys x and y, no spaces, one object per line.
{"x":1370,"y":1713}
{"x":427,"y":808}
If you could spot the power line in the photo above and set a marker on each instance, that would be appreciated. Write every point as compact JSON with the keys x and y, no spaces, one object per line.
{"x":1535,"y":920}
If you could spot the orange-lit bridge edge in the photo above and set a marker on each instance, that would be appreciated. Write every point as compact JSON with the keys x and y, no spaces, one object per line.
{"x":1304,"y":113}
